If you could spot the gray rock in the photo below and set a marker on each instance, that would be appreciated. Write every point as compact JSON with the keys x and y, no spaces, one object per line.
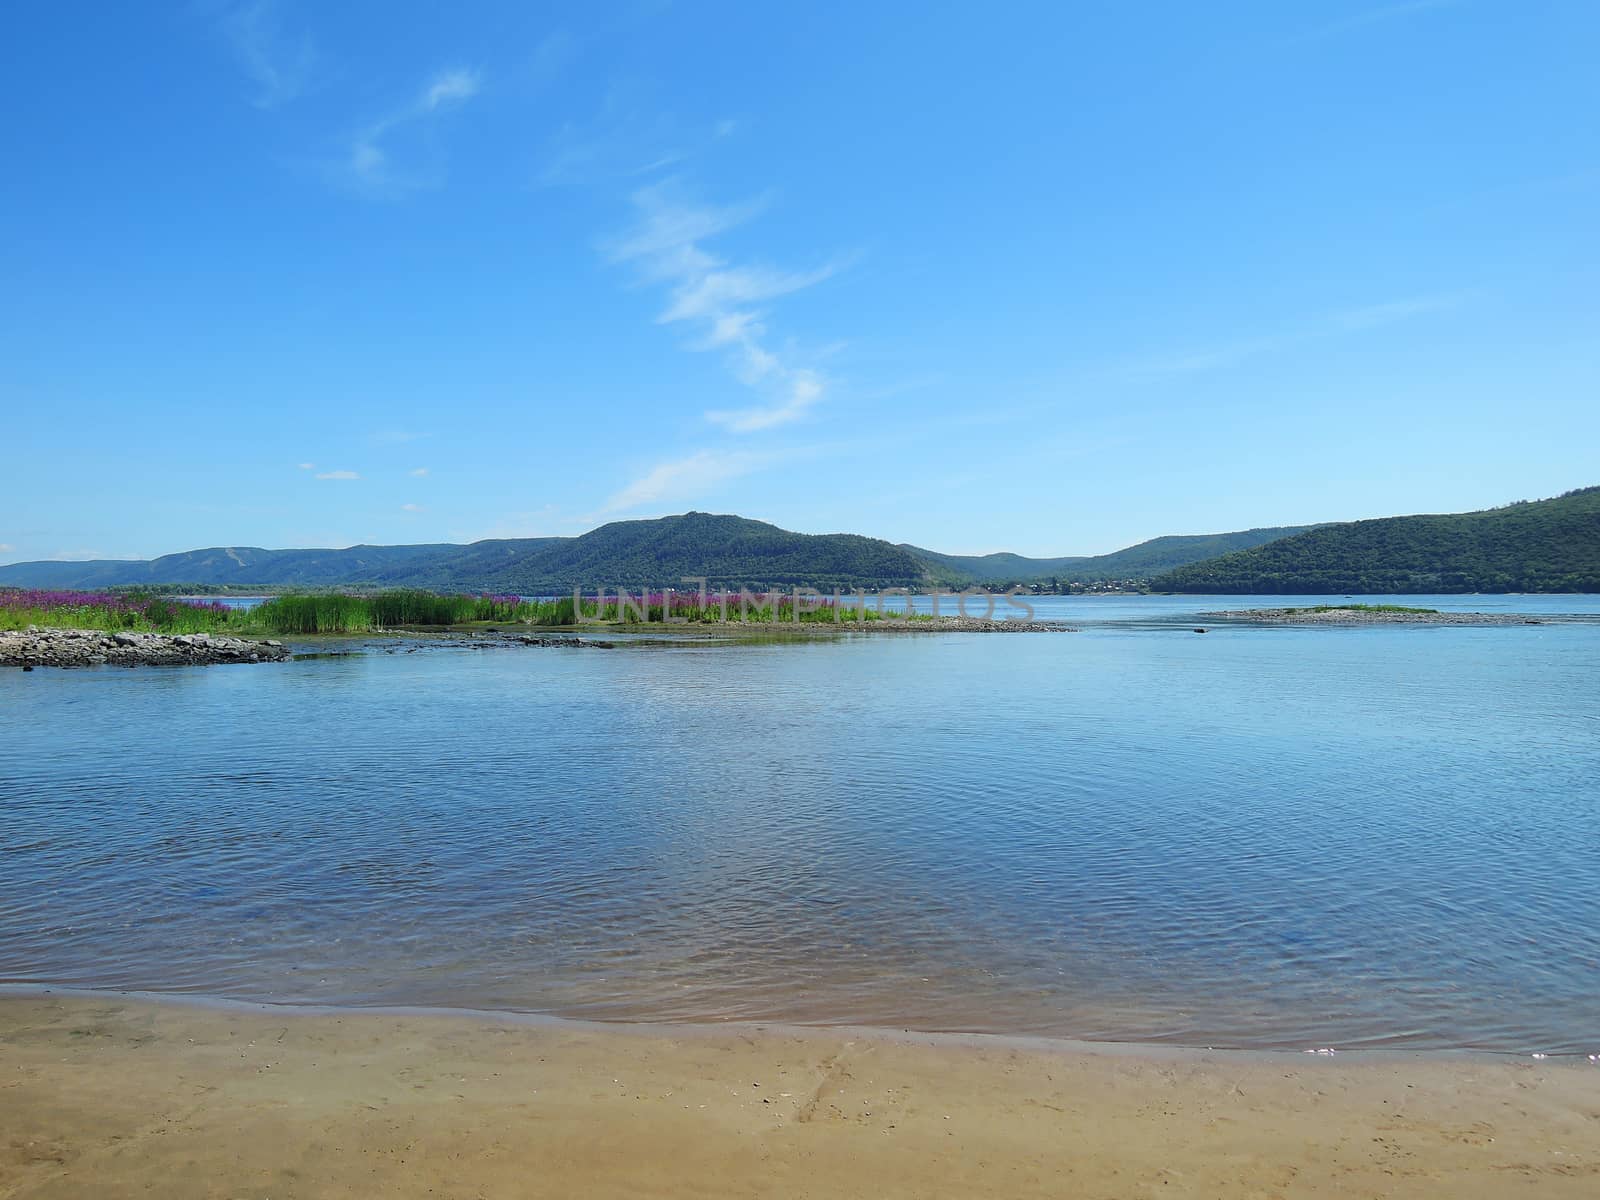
{"x":90,"y":648}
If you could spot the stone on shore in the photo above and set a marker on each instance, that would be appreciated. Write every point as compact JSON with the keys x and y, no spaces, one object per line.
{"x":35,"y":647}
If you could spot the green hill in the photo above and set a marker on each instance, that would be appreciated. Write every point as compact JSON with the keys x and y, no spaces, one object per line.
{"x":725,"y":549}
{"x":1133,"y":563}
{"x":1533,"y":546}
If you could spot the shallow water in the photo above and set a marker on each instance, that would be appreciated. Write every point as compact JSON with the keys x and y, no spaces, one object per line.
{"x":1266,"y":836}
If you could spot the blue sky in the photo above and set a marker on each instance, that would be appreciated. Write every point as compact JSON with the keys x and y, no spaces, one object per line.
{"x":1052,"y":278}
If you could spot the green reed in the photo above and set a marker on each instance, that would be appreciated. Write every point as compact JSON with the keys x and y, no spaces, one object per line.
{"x":401,"y":608}
{"x":329,"y":613}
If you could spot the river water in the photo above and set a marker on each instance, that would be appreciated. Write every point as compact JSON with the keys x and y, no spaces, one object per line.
{"x":1265,"y":836}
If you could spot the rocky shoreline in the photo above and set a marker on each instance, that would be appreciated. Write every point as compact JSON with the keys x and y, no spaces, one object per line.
{"x":1357,"y":616}
{"x":34,"y":647}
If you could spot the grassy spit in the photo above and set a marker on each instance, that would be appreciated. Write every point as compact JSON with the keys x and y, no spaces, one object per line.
{"x":289,"y":614}
{"x":333,"y":612}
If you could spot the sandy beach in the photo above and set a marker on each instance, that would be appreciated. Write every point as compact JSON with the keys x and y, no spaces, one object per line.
{"x":107,"y":1095}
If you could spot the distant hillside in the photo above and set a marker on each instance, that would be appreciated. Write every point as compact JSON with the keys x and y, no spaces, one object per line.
{"x":728,"y":550}
{"x":233,"y":564}
{"x":962,"y":569}
{"x":472,"y":567}
{"x":1534,"y":546}
{"x":1134,"y":563}
{"x":1164,"y":553}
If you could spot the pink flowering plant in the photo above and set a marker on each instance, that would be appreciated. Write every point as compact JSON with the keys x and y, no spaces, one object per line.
{"x":20,"y":608}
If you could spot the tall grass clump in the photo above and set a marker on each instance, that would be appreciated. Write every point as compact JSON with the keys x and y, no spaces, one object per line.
{"x":331,"y":613}
{"x":548,"y":612}
{"x":515,"y":608}
{"x":400,"y":608}
{"x":412,"y":606}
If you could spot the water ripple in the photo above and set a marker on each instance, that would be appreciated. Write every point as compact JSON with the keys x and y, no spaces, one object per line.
{"x":1260,"y":837}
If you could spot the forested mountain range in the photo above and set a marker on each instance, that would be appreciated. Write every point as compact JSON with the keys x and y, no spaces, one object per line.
{"x":656,"y":553}
{"x":1532,"y":546}
{"x":1543,"y":545}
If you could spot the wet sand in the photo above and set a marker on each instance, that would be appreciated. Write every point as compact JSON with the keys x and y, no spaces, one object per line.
{"x":109,"y":1096}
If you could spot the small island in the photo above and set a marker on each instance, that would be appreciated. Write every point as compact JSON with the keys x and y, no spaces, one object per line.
{"x":1367,"y":614}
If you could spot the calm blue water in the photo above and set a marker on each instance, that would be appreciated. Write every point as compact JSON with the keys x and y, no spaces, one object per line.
{"x":240,"y":602}
{"x":1264,"y":836}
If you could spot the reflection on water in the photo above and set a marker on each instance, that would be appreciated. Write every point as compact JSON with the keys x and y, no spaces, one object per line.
{"x":1264,"y":836}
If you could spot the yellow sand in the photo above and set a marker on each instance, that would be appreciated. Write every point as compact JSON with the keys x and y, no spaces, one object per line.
{"x":105,"y":1097}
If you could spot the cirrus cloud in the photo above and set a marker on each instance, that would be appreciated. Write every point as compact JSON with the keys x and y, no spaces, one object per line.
{"x":721,"y":301}
{"x":369,"y":160}
{"x":282,"y":63}
{"x":685,"y":478}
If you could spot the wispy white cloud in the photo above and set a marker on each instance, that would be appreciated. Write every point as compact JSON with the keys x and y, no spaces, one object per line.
{"x":554,"y":53}
{"x":1345,"y":321}
{"x":1211,"y":358}
{"x":308,"y":466}
{"x":419,"y":472}
{"x":1371,"y":16}
{"x":338,"y":475}
{"x":801,"y":389}
{"x":1389,"y":312}
{"x":412,"y":508}
{"x":450,"y":85}
{"x":369,"y":162}
{"x":6,"y":547}
{"x":720,"y":301}
{"x":282,"y":65}
{"x":685,"y":478}
{"x":719,"y":295}
{"x":631,"y":134}
{"x":397,"y":437}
